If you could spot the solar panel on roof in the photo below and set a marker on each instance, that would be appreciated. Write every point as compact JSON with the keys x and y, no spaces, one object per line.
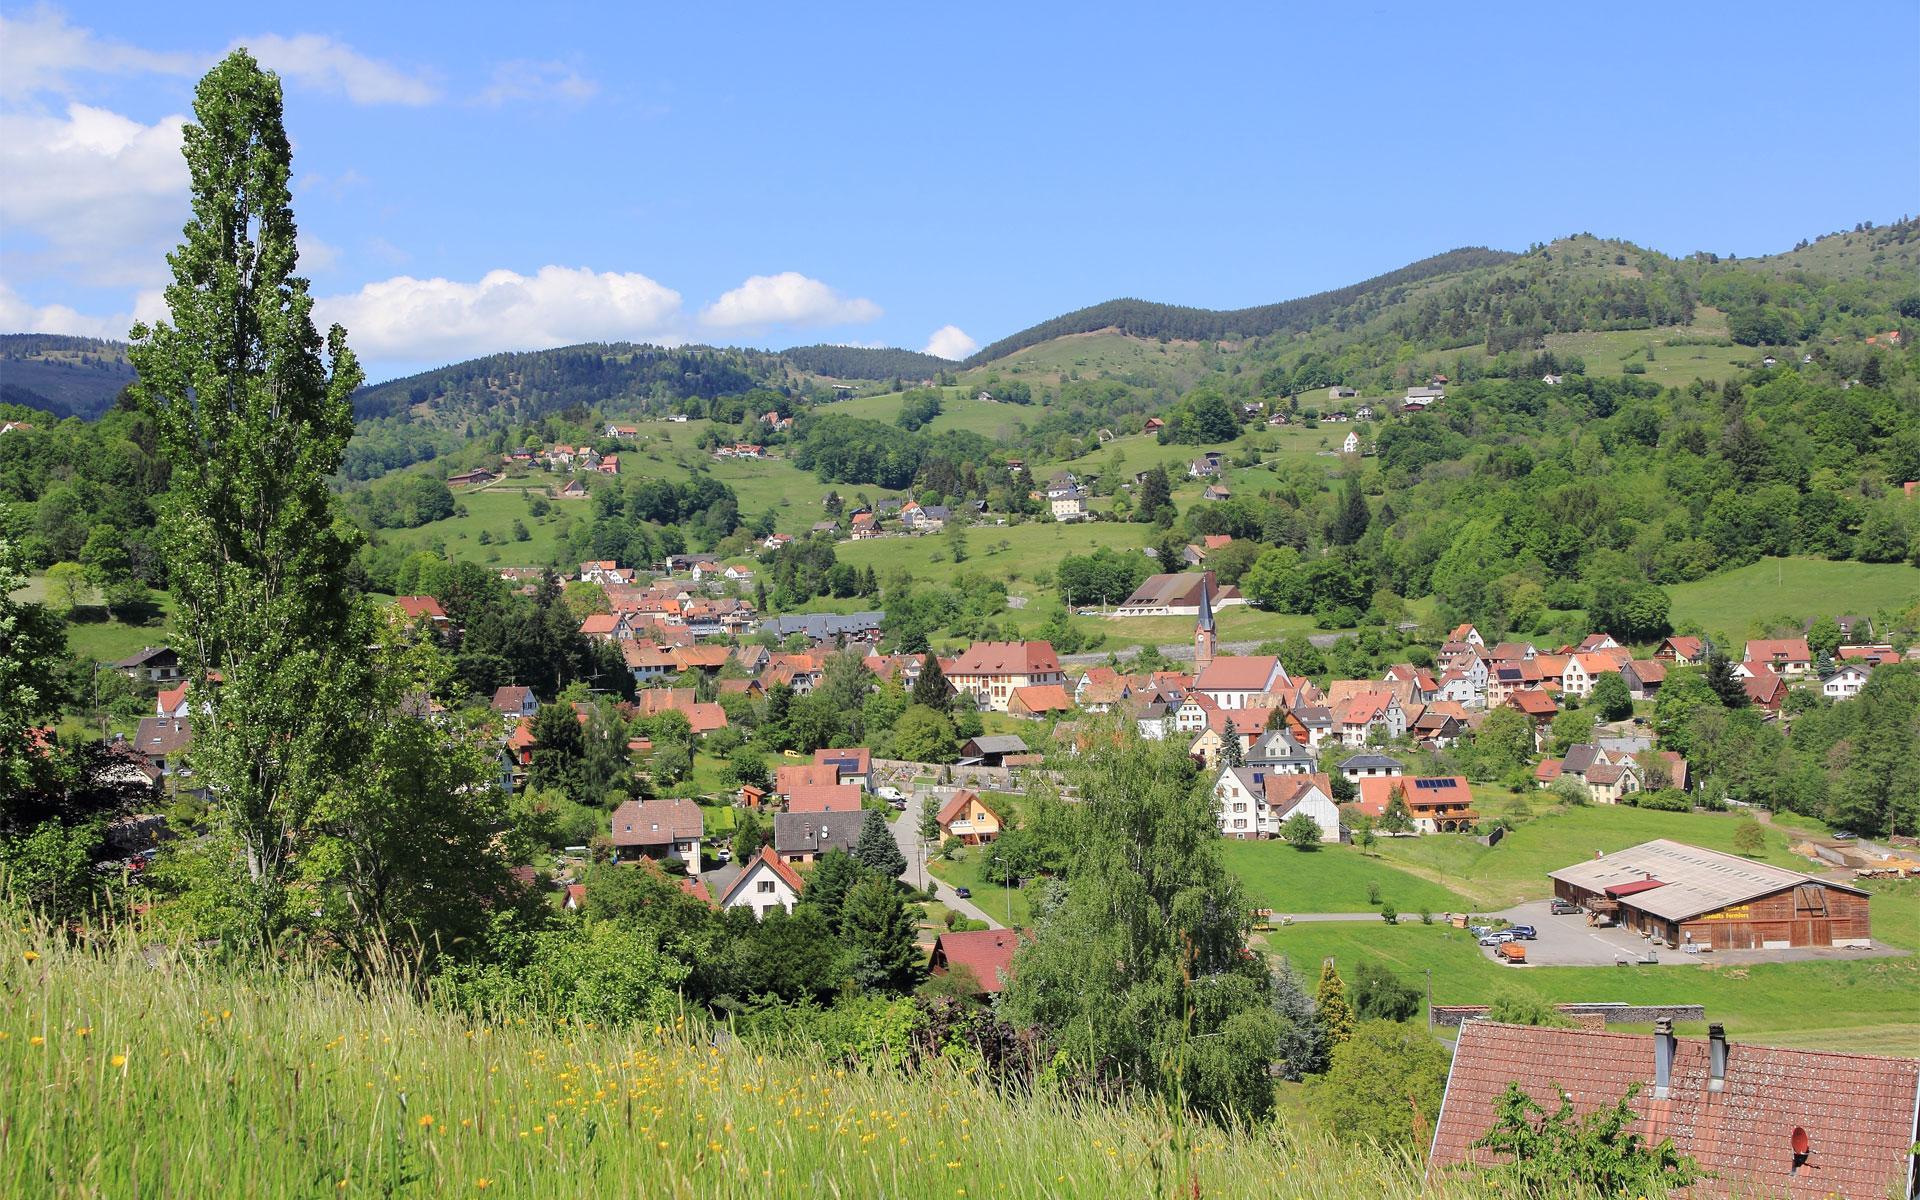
{"x":1433,"y":783}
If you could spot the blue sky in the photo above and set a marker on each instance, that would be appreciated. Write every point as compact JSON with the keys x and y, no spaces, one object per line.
{"x":481,"y":177}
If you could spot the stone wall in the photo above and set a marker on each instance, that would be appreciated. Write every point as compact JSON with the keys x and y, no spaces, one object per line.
{"x":1453,"y":1015}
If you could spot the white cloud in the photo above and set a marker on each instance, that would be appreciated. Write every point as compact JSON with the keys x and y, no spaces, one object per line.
{"x":102,"y":194}
{"x":788,"y":298}
{"x":420,"y":319}
{"x":38,"y":52}
{"x":322,"y":63}
{"x":19,"y":316}
{"x":950,"y":341}
{"x":523,"y":79}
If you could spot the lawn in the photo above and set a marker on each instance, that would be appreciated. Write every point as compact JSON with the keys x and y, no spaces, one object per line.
{"x":95,"y":638}
{"x":493,"y":511}
{"x":1330,"y":879}
{"x":1743,"y":603}
{"x":1008,"y":906}
{"x":1516,"y":869}
{"x":1609,"y":353}
{"x":1865,"y":1005}
{"x":958,"y":410}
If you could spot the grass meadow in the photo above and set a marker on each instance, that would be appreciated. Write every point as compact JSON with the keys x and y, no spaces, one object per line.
{"x":1743,"y":603}
{"x":131,"y":1074}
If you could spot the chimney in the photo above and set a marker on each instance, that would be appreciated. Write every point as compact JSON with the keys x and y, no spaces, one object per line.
{"x":1663,"y":1047}
{"x":1717,"y":1057}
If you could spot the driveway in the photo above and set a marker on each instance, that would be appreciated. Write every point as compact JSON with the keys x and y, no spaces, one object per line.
{"x":906,"y":833}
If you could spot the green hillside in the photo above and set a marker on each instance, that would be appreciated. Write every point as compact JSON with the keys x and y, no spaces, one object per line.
{"x":139,"y":1074}
{"x":67,"y":376}
{"x":1761,"y":597}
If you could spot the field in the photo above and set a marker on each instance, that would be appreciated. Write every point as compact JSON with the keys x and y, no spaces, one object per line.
{"x":493,"y":510}
{"x":133,"y":1076}
{"x":959,"y":410}
{"x":1787,"y":591}
{"x":1104,"y":353}
{"x":95,"y":638}
{"x":1516,"y":869}
{"x":1329,"y":879}
{"x":1446,"y":873}
{"x":1865,"y":1005}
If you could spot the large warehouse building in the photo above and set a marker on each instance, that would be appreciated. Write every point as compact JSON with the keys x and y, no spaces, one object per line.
{"x":1683,"y":893}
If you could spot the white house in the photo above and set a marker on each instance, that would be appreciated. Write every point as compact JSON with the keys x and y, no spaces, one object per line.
{"x":1068,"y":506}
{"x":1249,"y":809}
{"x":765,"y":885}
{"x":1352,"y":443}
{"x":1845,"y":681}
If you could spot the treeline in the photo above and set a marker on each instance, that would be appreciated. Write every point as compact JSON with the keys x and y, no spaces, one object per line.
{"x":1143,"y":318}
{"x":84,"y":482}
{"x":841,"y":449}
{"x":863,"y":362}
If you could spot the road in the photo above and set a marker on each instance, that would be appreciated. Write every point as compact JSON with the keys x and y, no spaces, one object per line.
{"x":1183,"y":651}
{"x":906,"y":833}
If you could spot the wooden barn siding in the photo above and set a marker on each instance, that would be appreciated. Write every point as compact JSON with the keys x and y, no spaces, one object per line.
{"x":1779,"y":917}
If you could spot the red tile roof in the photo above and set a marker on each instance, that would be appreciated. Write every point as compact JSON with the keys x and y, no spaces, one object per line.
{"x":773,"y":863}
{"x":600,"y":624}
{"x":957,"y":803}
{"x":1006,"y":658}
{"x":420,"y":606}
{"x":1784,"y":650}
{"x":1238,"y":673}
{"x":1043,"y":698}
{"x":1857,"y":1110}
{"x":988,"y":953}
{"x":656,"y":822}
{"x":1533,"y":703}
{"x":832,"y":797}
{"x":786,"y":780}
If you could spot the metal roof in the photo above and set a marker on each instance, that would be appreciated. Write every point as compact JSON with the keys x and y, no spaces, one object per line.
{"x":1695,"y":880}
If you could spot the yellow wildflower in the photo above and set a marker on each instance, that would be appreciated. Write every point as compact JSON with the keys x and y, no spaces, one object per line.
{"x":30,"y":955}
{"x":426,"y":1121}
{"x":483,"y":1184}
{"x":118,"y":1060}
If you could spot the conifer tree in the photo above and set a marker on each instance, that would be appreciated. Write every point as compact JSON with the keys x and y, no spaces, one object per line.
{"x":878,"y":935}
{"x":932,"y":688}
{"x":1331,"y":1008}
{"x":876,"y":850}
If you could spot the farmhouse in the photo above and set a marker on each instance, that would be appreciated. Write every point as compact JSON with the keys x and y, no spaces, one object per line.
{"x":1246,"y":807}
{"x":1760,"y":1121}
{"x":1437,"y":804}
{"x":1686,"y":894}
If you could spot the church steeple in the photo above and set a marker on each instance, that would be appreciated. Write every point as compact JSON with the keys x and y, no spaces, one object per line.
{"x":1203,"y":632}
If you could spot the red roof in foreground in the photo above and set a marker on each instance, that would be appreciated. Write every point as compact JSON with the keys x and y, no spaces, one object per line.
{"x":1857,"y":1109}
{"x":988,"y":953}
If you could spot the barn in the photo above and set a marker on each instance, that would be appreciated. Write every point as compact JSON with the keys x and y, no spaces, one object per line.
{"x":1683,"y":893}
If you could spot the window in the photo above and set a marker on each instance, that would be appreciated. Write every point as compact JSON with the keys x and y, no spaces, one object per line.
{"x":764,"y":887}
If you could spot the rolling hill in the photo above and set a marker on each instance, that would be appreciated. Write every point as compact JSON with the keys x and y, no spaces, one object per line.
{"x":66,"y":376}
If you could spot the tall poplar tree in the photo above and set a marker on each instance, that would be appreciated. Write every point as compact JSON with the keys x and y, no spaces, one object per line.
{"x":253,"y":412}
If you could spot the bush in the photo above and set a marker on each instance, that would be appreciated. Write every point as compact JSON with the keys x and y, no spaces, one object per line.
{"x":1373,"y":893}
{"x":1389,"y":913}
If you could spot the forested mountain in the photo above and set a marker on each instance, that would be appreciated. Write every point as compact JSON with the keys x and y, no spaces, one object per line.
{"x":1145,"y":319}
{"x":66,"y":376}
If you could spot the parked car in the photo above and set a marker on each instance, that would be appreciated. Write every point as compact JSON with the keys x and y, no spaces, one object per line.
{"x":1524,"y":933}
{"x":965,"y":893}
{"x":1498,"y":937}
{"x":725,"y":855}
{"x":889,"y":792}
{"x":1479,"y":930}
{"x":1562,"y":908}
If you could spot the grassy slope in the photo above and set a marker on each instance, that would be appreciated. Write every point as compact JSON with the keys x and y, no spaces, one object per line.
{"x":1516,"y":869}
{"x":1330,"y":879}
{"x":1865,"y":1005}
{"x":242,"y":1085}
{"x":1741,"y":603}
{"x":95,"y":638}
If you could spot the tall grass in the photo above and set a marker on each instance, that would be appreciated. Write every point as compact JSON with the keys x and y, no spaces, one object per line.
{"x":128,"y":1072}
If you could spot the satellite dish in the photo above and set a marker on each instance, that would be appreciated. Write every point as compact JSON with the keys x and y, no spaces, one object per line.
{"x":1799,"y":1139}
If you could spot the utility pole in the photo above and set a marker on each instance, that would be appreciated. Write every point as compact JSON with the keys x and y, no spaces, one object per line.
{"x":1429,"y":1001}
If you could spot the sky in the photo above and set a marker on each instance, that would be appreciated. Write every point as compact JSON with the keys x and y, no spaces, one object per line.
{"x":485,"y":177}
